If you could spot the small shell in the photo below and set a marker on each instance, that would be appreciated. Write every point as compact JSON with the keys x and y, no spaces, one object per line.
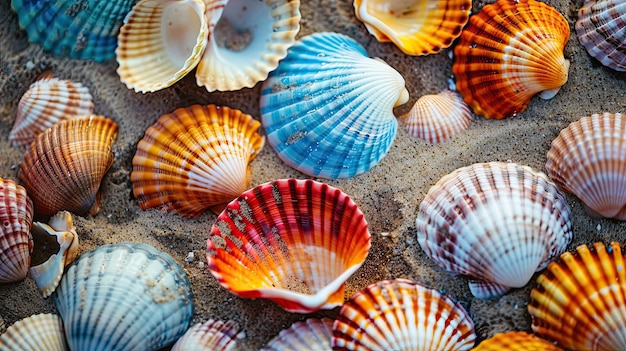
{"x":212,"y":335}
{"x":580,"y":300}
{"x":328,"y":108}
{"x":496,"y":222}
{"x":41,"y":332}
{"x":195,"y":158}
{"x":48,"y":101}
{"x":63,"y":168}
{"x":510,"y":51}
{"x":416,"y":27}
{"x":402,"y":315}
{"x":437,"y":118}
{"x":313,"y":335}
{"x":16,"y":243}
{"x":601,"y":29}
{"x":124,"y":296}
{"x":516,"y":341}
{"x":292,"y":241}
{"x":588,"y":159}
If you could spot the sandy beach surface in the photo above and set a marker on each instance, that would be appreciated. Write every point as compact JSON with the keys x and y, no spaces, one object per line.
{"x":389,"y":194}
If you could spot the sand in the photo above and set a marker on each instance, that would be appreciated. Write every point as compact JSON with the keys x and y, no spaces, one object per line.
{"x":389,"y":194}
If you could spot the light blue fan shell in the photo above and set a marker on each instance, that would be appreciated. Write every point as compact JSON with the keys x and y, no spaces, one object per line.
{"x":327,"y":109}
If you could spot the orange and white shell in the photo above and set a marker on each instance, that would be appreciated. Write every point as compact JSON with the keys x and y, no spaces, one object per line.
{"x":580,"y":300}
{"x":195,"y":158}
{"x":402,"y":315}
{"x":40,"y":332}
{"x":64,"y":166}
{"x":516,"y":341}
{"x":416,"y":27}
{"x":212,"y":335}
{"x":313,"y":334}
{"x":588,"y":159}
{"x":16,"y":243}
{"x":48,"y":101}
{"x":601,"y":29}
{"x":295,"y":242}
{"x":510,"y":51}
{"x":438,"y":117}
{"x":497,"y":223}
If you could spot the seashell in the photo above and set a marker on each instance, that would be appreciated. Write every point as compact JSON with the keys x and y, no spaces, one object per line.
{"x":438,"y":117}
{"x":402,"y":315}
{"x":601,"y":30}
{"x":510,"y":51}
{"x":63,"y":168}
{"x":40,"y":332}
{"x":195,"y":158}
{"x":588,"y":159}
{"x":48,"y":101}
{"x":580,"y":300}
{"x":416,"y":27}
{"x":48,"y":274}
{"x":314,"y":334}
{"x":496,"y":222}
{"x":292,"y":241}
{"x":212,"y":335}
{"x":16,"y":243}
{"x":82,"y":30}
{"x":246,"y":41}
{"x":516,"y":341}
{"x":328,"y":108}
{"x":124,"y":296}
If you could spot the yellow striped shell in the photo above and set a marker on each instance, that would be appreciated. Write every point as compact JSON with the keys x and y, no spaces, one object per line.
{"x":516,"y":341}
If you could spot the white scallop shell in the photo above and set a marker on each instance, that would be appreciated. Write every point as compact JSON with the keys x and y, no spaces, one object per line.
{"x":41,"y":332}
{"x":601,"y":29}
{"x":212,"y":335}
{"x":314,"y":334}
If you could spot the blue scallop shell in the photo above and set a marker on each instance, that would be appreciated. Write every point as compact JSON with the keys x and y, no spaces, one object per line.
{"x":328,"y":108}
{"x":80,"y":29}
{"x":124,"y":296}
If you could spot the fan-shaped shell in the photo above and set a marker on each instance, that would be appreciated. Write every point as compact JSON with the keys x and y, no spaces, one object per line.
{"x":402,"y":315}
{"x":588,"y":159}
{"x":328,"y":108}
{"x":41,"y":332}
{"x":63,"y":168}
{"x":416,"y":27}
{"x":16,"y":243}
{"x":195,"y":158}
{"x":437,"y":118}
{"x":48,"y":101}
{"x":314,"y":334}
{"x":516,"y":341}
{"x":580,"y":300}
{"x":510,"y":51}
{"x":292,"y":241}
{"x":601,"y":29}
{"x":212,"y":335}
{"x":495,"y":222}
{"x":78,"y":29}
{"x":124,"y":296}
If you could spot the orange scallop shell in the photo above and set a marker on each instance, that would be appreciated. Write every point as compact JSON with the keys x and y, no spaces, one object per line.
{"x":16,"y":243}
{"x":516,"y":341}
{"x":510,"y":51}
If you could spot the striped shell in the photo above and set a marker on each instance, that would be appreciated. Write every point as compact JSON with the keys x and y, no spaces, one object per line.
{"x":516,"y":341}
{"x":437,"y":118}
{"x":292,"y":241}
{"x":314,"y":334}
{"x":496,"y":222}
{"x":16,"y":243}
{"x":588,"y":159}
{"x":416,"y":27}
{"x":63,"y":168}
{"x":328,"y":108}
{"x":212,"y":335}
{"x":41,"y":332}
{"x":195,"y":158}
{"x":601,"y":29}
{"x":510,"y":51}
{"x":404,"y":316}
{"x":580,"y":300}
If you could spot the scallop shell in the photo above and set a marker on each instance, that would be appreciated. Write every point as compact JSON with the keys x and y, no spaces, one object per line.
{"x":41,"y":332}
{"x":416,"y":27}
{"x":79,"y":29}
{"x":496,"y":222}
{"x":195,"y":158}
{"x":212,"y":335}
{"x":292,"y":241}
{"x":49,"y":100}
{"x":402,"y":315}
{"x":314,"y":334}
{"x":16,"y":243}
{"x":124,"y":296}
{"x":516,"y":341}
{"x":601,"y":29}
{"x":63,"y":168}
{"x":328,"y":108}
{"x":510,"y":51}
{"x":580,"y":300}
{"x":437,"y":118}
{"x":588,"y":159}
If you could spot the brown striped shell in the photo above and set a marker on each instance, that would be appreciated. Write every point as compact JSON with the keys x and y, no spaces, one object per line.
{"x":516,"y":341}
{"x":313,"y":334}
{"x":601,"y":29}
{"x":212,"y":335}
{"x":16,"y":242}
